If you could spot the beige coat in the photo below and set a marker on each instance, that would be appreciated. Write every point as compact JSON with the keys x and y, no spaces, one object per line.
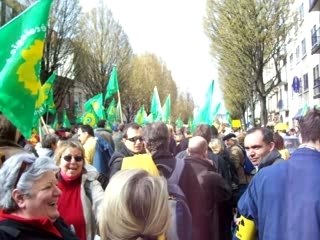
{"x":91,"y":198}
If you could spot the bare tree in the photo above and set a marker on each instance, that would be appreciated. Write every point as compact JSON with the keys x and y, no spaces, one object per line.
{"x":254,"y":33}
{"x":147,"y":71}
{"x":101,"y":43}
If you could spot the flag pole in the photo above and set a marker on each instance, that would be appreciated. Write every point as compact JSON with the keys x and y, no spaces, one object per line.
{"x":44,"y":125}
{"x":119,"y":99}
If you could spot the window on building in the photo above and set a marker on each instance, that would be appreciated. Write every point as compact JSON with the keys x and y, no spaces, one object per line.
{"x":298,"y":53}
{"x":305,"y":82}
{"x":291,"y":59}
{"x":303,"y":48}
{"x":316,"y":80}
{"x":301,"y":13}
{"x":300,"y":84}
{"x":314,"y":38}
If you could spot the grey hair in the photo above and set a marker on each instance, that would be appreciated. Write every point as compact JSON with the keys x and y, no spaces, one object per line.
{"x":134,"y":204}
{"x":9,"y":174}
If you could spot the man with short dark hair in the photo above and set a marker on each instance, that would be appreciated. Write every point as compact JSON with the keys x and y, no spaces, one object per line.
{"x":282,"y":200}
{"x":88,"y":141}
{"x":259,"y":145}
{"x":132,"y":144}
{"x":156,"y":136}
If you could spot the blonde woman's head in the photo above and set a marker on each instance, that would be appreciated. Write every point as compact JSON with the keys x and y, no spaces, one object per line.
{"x":135,"y":205}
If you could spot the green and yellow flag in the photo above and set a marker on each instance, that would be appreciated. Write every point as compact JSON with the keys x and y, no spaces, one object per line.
{"x":96,"y":104}
{"x":22,"y":41}
{"x":45,"y":99}
{"x":90,"y":118}
{"x":140,"y":117}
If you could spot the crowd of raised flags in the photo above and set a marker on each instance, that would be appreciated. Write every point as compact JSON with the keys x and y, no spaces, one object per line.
{"x":24,"y":100}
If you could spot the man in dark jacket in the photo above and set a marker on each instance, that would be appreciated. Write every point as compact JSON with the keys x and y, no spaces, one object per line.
{"x":133,"y":144}
{"x":104,"y":133}
{"x":195,"y":186}
{"x":207,"y":193}
{"x":282,"y":200}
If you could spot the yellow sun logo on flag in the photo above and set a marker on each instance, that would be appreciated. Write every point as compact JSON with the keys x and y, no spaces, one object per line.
{"x":26,"y":71}
{"x":89,"y":119}
{"x":95,"y":106}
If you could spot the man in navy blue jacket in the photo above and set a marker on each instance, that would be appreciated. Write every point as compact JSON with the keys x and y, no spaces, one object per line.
{"x":282,"y":200}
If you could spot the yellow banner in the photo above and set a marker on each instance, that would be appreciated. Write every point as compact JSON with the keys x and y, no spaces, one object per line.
{"x":236,"y":123}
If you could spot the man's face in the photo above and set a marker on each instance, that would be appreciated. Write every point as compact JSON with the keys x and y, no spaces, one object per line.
{"x":134,"y":141}
{"x":83,"y":136}
{"x":256,"y":148}
{"x":229,"y":142}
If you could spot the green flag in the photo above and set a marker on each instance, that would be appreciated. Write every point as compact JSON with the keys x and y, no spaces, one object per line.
{"x":166,"y":110}
{"x":95,"y":103}
{"x":90,"y":118}
{"x":191,"y":125}
{"x":112,"y":112}
{"x":118,"y":112}
{"x":51,"y":106}
{"x":45,"y":99}
{"x":66,"y":122}
{"x":22,"y":41}
{"x":55,"y":124}
{"x":155,"y":108}
{"x":179,"y":123}
{"x":140,"y":117}
{"x":113,"y":85}
{"x":204,"y":116}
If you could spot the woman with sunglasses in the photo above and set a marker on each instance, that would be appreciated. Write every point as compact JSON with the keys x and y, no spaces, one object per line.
{"x":28,"y":200}
{"x":81,"y":192}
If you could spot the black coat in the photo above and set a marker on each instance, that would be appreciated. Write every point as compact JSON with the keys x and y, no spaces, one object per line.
{"x":12,"y":230}
{"x":116,"y":159}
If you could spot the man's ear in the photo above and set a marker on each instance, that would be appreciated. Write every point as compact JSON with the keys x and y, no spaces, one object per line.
{"x":272,"y":145}
{"x":18,"y":197}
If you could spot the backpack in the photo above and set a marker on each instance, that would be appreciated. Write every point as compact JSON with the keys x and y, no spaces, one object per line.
{"x":247,"y":164}
{"x":181,"y":217}
{"x":181,"y":220}
{"x":101,"y":159}
{"x":229,"y":171}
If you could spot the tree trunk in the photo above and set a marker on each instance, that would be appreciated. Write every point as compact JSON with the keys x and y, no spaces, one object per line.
{"x":264,"y":111}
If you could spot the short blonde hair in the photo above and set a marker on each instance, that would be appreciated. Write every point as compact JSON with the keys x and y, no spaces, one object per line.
{"x":135,"y":205}
{"x":63,"y":146}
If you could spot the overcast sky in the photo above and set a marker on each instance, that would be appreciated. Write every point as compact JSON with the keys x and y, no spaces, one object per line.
{"x":173,"y":30}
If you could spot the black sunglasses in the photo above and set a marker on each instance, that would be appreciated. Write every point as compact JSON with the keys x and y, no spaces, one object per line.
{"x":69,"y":157}
{"x":134,"y":139}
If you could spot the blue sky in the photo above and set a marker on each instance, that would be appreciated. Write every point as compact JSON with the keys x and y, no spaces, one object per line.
{"x":173,"y":30}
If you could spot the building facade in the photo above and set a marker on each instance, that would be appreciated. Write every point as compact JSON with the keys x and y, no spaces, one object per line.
{"x":300,"y":76}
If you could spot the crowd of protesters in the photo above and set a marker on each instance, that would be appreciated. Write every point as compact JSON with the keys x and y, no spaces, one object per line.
{"x":69,"y":184}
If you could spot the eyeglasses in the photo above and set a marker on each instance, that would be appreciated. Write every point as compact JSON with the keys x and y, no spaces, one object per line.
{"x":134,"y":139}
{"x":23,"y":167}
{"x":69,"y":157}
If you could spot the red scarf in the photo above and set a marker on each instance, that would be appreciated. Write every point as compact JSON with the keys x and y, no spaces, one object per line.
{"x":40,"y":223}
{"x":70,"y":205}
